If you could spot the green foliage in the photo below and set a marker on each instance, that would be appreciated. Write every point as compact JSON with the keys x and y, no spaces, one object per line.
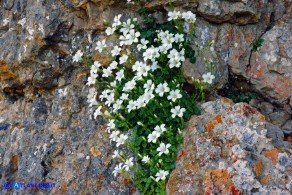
{"x":257,"y":44}
{"x":140,"y":123}
{"x":243,"y":97}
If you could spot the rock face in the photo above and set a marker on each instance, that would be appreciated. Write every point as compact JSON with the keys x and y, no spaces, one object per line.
{"x":46,"y":133}
{"x":230,"y":149}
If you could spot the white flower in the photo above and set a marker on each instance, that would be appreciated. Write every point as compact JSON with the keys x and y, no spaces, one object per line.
{"x":117,"y":105}
{"x":179,"y":38}
{"x":97,"y":112}
{"x":113,"y":84}
{"x":143,"y":70}
{"x":173,"y":15}
{"x":143,"y":44}
{"x":116,"y":154}
{"x":128,"y":164}
{"x":116,"y":51}
{"x":174,"y":95}
{"x":189,"y":17}
{"x":118,"y":169}
{"x":124,"y":96}
{"x":154,"y":66}
{"x":95,"y":67}
{"x":100,"y":45}
{"x":177,"y":111}
{"x":131,"y":106}
{"x":163,"y":149}
{"x":151,"y":53}
{"x":113,"y":65}
{"x":111,"y":124}
{"x":153,"y":137}
{"x":127,"y":26}
{"x":123,"y":59}
{"x":110,"y":31}
{"x":148,"y":85}
{"x":129,"y":85}
{"x":114,"y":135}
{"x":78,"y":55}
{"x":162,"y":88}
{"x":121,"y":140}
{"x":146,"y":159}
{"x":91,"y":80}
{"x":208,"y":77}
{"x":106,"y":72}
{"x":120,"y":75}
{"x":161,"y":175}
{"x":148,"y":96}
{"x":137,"y":65}
{"x":117,"y":21}
{"x":160,"y":129}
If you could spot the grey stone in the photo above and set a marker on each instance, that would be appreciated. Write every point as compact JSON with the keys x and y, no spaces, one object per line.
{"x":4,"y":126}
{"x":266,"y":108}
{"x":287,"y":127}
{"x":276,"y":134}
{"x":279,"y":118}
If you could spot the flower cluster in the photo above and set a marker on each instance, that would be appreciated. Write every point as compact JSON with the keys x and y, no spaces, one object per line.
{"x":143,"y":96}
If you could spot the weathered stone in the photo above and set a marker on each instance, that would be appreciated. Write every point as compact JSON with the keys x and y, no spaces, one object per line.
{"x":279,"y":118}
{"x":271,"y":67}
{"x":266,"y":108}
{"x":226,"y":151}
{"x":287,"y":127}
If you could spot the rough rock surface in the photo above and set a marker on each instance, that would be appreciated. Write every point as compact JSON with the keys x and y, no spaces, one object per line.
{"x":231,"y":149}
{"x":45,"y":130}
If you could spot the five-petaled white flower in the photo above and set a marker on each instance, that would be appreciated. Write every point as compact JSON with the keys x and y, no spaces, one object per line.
{"x":162,"y":88}
{"x":146,"y":159}
{"x":116,"y":154}
{"x":121,"y":140}
{"x":143,"y":44}
{"x":114,"y":135}
{"x":78,"y":55}
{"x":128,"y":164}
{"x":177,"y":111}
{"x":208,"y":77}
{"x":163,"y":149}
{"x":110,"y":31}
{"x":100,"y":45}
{"x":189,"y":17}
{"x":118,"y":169}
{"x":95,"y":67}
{"x":160,"y":129}
{"x":174,"y":95}
{"x":123,"y":59}
{"x":97,"y":112}
{"x":153,"y":137}
{"x":116,"y":51}
{"x":161,"y":175}
{"x":120,"y":75}
{"x":131,"y":106}
{"x":106,"y":72}
{"x":173,"y":15}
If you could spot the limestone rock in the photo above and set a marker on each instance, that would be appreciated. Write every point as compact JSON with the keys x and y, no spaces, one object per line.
{"x":226,"y":151}
{"x":271,"y":67}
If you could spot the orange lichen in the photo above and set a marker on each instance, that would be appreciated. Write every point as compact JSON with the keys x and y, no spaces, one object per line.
{"x":273,"y":155}
{"x":258,"y":167}
{"x":217,"y":119}
{"x":219,"y":178}
{"x":267,"y":179}
{"x":94,"y":151}
{"x":210,"y":127}
{"x":80,"y":74}
{"x":227,"y":101}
